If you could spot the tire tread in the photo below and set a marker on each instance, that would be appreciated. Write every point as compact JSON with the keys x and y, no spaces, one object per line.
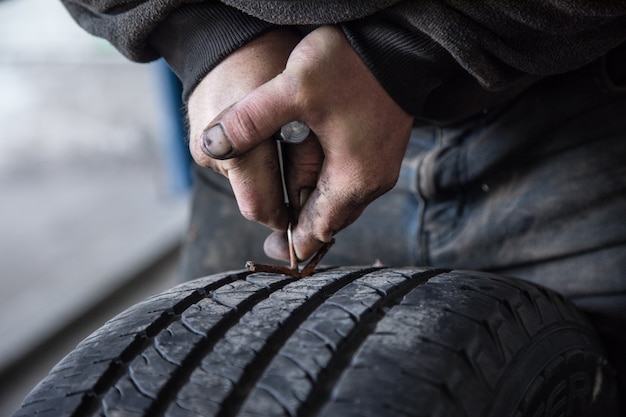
{"x":257,"y":344}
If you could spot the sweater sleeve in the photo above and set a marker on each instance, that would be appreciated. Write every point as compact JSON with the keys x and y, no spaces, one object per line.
{"x":444,"y":60}
{"x":193,"y":39}
{"x":441,"y":60}
{"x":192,"y":36}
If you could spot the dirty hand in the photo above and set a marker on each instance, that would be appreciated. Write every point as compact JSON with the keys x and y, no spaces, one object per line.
{"x":354,"y":155}
{"x":255,"y":173}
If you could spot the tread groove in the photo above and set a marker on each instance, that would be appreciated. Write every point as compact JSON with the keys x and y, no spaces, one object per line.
{"x":327,"y":342}
{"x":194,"y":357}
{"x":270,"y":391}
{"x":319,"y":395}
{"x":233,"y":402}
{"x":349,"y":341}
{"x":142,"y":340}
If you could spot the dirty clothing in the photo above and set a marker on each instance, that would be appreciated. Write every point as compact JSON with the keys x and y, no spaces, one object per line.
{"x":535,"y":188}
{"x":440,"y":60}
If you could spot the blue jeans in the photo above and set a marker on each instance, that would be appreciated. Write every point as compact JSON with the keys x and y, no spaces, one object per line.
{"x":534,"y":189}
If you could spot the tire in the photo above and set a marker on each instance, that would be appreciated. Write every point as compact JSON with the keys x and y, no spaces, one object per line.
{"x":344,"y":342}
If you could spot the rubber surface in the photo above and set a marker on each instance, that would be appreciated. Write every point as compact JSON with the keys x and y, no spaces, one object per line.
{"x":344,"y":342}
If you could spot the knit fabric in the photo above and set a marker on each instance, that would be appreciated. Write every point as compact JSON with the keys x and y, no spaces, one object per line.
{"x":441,"y":60}
{"x":290,"y":12}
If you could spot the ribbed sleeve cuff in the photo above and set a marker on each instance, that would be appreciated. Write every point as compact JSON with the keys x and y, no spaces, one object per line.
{"x":195,"y":38}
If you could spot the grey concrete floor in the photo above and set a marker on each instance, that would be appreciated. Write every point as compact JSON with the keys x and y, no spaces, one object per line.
{"x":85,"y":205}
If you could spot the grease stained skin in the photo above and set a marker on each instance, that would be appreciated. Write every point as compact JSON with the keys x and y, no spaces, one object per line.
{"x":293,"y":269}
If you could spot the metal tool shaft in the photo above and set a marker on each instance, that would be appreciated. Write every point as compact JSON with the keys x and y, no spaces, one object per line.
{"x":293,"y":259}
{"x":293,"y":133}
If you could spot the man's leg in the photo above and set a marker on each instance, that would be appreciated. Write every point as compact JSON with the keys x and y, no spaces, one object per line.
{"x":537,"y":190}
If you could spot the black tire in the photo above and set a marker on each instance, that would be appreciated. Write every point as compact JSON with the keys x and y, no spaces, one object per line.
{"x":344,"y":342}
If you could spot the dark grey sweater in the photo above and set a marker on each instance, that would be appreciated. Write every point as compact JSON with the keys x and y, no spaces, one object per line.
{"x":441,"y":60}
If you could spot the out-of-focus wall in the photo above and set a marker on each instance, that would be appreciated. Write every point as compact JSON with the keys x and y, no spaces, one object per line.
{"x":84,"y":201}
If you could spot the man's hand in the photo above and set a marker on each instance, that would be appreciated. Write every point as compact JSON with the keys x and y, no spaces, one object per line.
{"x":354,"y":155}
{"x":254,"y":175}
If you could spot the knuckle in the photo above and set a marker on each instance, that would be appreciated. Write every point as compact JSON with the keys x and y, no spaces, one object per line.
{"x":387,"y":184}
{"x":325,"y":234}
{"x":206,"y":162}
{"x":243,"y":124}
{"x":365,"y":191}
{"x":201,"y":159}
{"x":258,"y":215}
{"x":256,"y":211}
{"x":301,"y":89}
{"x":251,"y":214}
{"x":251,"y":210}
{"x":380,"y":182}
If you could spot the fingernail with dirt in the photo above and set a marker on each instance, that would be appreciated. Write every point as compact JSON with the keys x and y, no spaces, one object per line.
{"x":216,"y":143}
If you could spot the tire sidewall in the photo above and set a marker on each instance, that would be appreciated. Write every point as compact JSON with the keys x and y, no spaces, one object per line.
{"x":560,"y":373}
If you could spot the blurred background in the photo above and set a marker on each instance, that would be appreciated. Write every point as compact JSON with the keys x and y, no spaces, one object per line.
{"x":93,"y":198}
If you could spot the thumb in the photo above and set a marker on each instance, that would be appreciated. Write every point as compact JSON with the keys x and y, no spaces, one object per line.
{"x":252,"y":120}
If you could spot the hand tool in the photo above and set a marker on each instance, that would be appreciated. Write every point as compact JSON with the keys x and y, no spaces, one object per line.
{"x":293,"y":133}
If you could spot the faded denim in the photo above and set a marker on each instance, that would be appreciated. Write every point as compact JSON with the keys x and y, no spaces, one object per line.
{"x":535,"y":189}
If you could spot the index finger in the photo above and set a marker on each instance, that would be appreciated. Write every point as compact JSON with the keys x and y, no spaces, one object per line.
{"x":256,"y":182}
